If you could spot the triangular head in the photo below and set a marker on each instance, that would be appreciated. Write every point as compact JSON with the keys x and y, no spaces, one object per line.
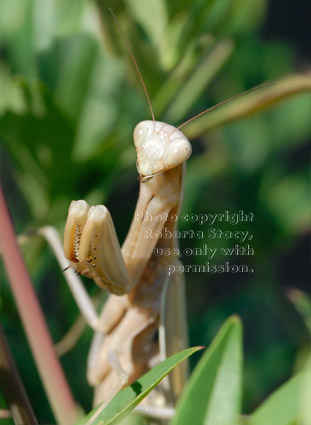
{"x":159,"y":147}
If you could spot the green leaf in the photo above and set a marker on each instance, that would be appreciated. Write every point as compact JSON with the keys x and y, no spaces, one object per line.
{"x":78,"y":58}
{"x":283,"y":406}
{"x":302,"y":303}
{"x":249,"y":104}
{"x":153,"y":18}
{"x":134,"y":419}
{"x":213,"y":393}
{"x":305,"y":405}
{"x":201,"y":77}
{"x":126,"y":400}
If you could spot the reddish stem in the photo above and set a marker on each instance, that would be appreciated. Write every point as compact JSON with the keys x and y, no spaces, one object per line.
{"x":50,"y":370}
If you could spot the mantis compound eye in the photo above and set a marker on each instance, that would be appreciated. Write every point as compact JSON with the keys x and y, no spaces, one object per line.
{"x":178,"y":152}
{"x":141,"y":132}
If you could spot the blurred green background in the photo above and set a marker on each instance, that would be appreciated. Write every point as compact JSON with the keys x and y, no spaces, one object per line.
{"x":69,"y":101}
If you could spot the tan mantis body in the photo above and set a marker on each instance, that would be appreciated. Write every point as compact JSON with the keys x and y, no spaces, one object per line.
{"x":130,"y":323}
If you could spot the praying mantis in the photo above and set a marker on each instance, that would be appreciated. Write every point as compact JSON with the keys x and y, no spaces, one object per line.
{"x":144,"y":319}
{"x":145,"y":302}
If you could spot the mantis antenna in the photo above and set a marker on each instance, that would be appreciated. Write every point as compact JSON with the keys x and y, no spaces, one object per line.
{"x":134,"y":61}
{"x":224,"y":102}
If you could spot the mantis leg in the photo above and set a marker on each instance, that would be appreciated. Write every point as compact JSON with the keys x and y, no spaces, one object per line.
{"x":91,"y":244}
{"x":80,"y":295}
{"x":173,"y":328}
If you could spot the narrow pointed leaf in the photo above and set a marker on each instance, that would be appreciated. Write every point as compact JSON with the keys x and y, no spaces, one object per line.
{"x":200,"y":79}
{"x":127,"y":399}
{"x":152,"y":18}
{"x":283,"y":406}
{"x":249,"y":104}
{"x":213,"y":393}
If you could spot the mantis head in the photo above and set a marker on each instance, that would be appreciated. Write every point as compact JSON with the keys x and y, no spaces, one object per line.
{"x":159,"y":147}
